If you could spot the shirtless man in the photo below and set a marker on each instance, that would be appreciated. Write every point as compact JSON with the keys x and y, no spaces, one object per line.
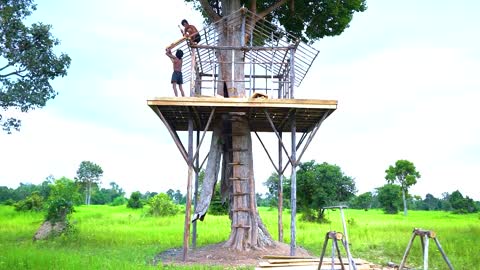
{"x":190,"y":31}
{"x":177,"y":77}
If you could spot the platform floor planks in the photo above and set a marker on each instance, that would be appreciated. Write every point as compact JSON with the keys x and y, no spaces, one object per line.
{"x":308,"y":112}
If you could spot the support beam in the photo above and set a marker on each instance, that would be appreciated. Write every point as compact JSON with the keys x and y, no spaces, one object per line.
{"x":310,"y":138}
{"x":280,"y":193}
{"x":293,"y":195}
{"x":268,"y":154}
{"x":278,"y":136}
{"x":186,"y":232}
{"x":173,"y":133}
{"x":195,"y":157}
{"x":195,"y":195}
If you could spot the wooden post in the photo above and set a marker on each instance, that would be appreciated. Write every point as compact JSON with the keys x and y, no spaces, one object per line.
{"x":186,"y":232}
{"x":195,"y":195}
{"x":293,"y":196}
{"x":280,"y":192}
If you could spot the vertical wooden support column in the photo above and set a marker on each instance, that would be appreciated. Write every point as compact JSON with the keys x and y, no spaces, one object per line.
{"x":292,"y":72}
{"x":293,"y":196}
{"x":195,"y":194}
{"x":280,"y":191}
{"x":186,"y":231}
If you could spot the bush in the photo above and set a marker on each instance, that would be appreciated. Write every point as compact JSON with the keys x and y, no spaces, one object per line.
{"x":9,"y":202}
{"x":118,"y":201}
{"x":58,"y":210}
{"x":161,"y":205}
{"x":217,"y":208}
{"x":135,"y":200}
{"x":34,"y":202}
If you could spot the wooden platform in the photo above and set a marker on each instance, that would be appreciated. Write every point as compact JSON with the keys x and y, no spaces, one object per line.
{"x":308,"y":112}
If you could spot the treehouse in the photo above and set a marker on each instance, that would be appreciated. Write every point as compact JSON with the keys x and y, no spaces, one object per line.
{"x":243,"y":75}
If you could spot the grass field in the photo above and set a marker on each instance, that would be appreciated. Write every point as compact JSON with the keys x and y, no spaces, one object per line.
{"x":109,"y":237}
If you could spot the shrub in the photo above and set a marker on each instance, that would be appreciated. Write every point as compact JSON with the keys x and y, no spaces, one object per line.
{"x":9,"y":202}
{"x":58,"y":210}
{"x":134,"y":201}
{"x":34,"y":202}
{"x":161,"y":205}
{"x":118,"y":201}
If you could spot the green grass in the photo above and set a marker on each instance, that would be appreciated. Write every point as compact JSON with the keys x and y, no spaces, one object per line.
{"x":119,"y":238}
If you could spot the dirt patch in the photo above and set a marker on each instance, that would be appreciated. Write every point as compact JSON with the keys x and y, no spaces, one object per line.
{"x":218,"y":255}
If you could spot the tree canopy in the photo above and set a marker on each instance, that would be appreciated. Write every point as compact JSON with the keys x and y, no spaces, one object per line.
{"x":320,"y":185}
{"x":405,"y":174}
{"x":88,"y":174}
{"x":306,"y":19}
{"x":27,"y":61}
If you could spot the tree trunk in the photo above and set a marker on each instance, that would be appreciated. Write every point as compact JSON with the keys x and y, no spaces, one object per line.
{"x":404,"y":202}
{"x":235,"y":143}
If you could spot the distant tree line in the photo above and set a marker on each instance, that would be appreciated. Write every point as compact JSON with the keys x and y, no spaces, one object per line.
{"x":318,"y":186}
{"x":321,"y":185}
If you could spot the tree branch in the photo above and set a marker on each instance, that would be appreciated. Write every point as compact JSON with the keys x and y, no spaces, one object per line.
{"x":277,"y":4}
{"x":212,"y":15}
{"x":17,"y":72}
{"x":8,"y":65}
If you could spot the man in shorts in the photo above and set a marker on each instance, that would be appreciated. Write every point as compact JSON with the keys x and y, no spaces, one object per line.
{"x":177,"y":77}
{"x":190,"y":31}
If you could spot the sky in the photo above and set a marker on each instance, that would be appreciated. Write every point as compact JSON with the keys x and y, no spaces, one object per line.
{"x":405,"y":74}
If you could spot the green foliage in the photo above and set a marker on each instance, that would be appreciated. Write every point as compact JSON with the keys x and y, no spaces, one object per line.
{"x":308,"y":20}
{"x":460,"y":204}
{"x":362,"y":201}
{"x":320,"y":185}
{"x":28,"y":61}
{"x":135,"y":200}
{"x":405,"y":174}
{"x":110,"y":233}
{"x":88,"y":174}
{"x":272,"y":184}
{"x":389,"y":197}
{"x":34,"y":202}
{"x":161,"y":205}
{"x":6,"y":194}
{"x":66,"y":189}
{"x":118,"y":201}
{"x":58,"y":209}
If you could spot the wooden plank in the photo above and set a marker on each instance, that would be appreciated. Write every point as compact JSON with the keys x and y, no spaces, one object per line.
{"x":242,"y":102}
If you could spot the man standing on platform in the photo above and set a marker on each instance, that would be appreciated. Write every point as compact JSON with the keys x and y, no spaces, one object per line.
{"x":177,"y":77}
{"x":190,"y":31}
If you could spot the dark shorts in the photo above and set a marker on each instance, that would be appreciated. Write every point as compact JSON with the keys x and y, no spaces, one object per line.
{"x":177,"y":77}
{"x":196,"y":38}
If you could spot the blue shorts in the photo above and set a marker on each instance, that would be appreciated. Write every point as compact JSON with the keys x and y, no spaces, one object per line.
{"x":177,"y":77}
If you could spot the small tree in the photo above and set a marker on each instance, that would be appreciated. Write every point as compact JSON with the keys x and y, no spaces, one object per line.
{"x":161,"y":205}
{"x":320,"y":185}
{"x":135,"y":200}
{"x":389,"y":198}
{"x":405,"y":174}
{"x":89,"y":174}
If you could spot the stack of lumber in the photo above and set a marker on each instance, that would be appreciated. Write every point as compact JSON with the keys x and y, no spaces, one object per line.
{"x":308,"y":263}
